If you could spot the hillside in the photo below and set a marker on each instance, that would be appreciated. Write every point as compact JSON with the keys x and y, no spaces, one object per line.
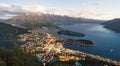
{"x":113,"y":24}
{"x":9,"y":34}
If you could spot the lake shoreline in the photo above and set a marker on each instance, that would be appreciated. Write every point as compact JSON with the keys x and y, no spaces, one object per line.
{"x":100,"y":36}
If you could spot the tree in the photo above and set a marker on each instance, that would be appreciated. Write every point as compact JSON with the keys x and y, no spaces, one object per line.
{"x":16,"y":57}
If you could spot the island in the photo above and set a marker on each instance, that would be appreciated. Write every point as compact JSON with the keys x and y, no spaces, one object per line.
{"x":70,"y":33}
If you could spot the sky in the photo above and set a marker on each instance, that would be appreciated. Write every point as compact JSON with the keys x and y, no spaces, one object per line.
{"x":96,"y":9}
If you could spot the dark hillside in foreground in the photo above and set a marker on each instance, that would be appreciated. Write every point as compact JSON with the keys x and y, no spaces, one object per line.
{"x":113,"y":24}
{"x":15,"y":57}
{"x":9,"y":34}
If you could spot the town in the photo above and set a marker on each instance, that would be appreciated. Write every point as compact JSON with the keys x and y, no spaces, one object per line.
{"x":45,"y":47}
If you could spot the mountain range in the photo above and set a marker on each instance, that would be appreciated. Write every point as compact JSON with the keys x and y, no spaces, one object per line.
{"x":44,"y":18}
{"x":34,"y":20}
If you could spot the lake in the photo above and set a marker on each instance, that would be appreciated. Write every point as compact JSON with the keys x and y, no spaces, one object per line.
{"x":107,"y":42}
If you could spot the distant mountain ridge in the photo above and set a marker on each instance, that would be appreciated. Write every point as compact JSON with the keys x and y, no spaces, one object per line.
{"x":113,"y":24}
{"x":44,"y":18}
{"x":41,"y":20}
{"x":48,"y":18}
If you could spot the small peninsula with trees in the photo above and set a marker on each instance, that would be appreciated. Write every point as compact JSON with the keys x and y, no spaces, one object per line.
{"x":79,"y":42}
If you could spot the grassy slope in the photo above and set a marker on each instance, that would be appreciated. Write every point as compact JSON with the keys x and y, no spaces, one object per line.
{"x":36,"y":24}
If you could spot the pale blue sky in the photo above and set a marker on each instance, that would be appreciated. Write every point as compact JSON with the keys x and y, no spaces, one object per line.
{"x":108,"y":8}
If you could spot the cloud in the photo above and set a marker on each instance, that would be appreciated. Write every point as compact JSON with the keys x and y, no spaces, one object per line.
{"x":18,"y":10}
{"x":11,"y":9}
{"x":4,"y":5}
{"x":97,"y":4}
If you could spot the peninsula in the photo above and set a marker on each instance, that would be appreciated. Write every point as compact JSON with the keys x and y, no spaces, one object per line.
{"x":79,"y":42}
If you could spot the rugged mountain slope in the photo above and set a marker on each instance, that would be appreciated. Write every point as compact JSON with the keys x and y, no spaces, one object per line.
{"x":50,"y":18}
{"x":9,"y":34}
{"x":44,"y":18}
{"x":113,"y":24}
{"x":40,"y":20}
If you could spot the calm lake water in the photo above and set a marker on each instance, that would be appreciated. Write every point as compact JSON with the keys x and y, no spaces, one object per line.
{"x":107,"y":42}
